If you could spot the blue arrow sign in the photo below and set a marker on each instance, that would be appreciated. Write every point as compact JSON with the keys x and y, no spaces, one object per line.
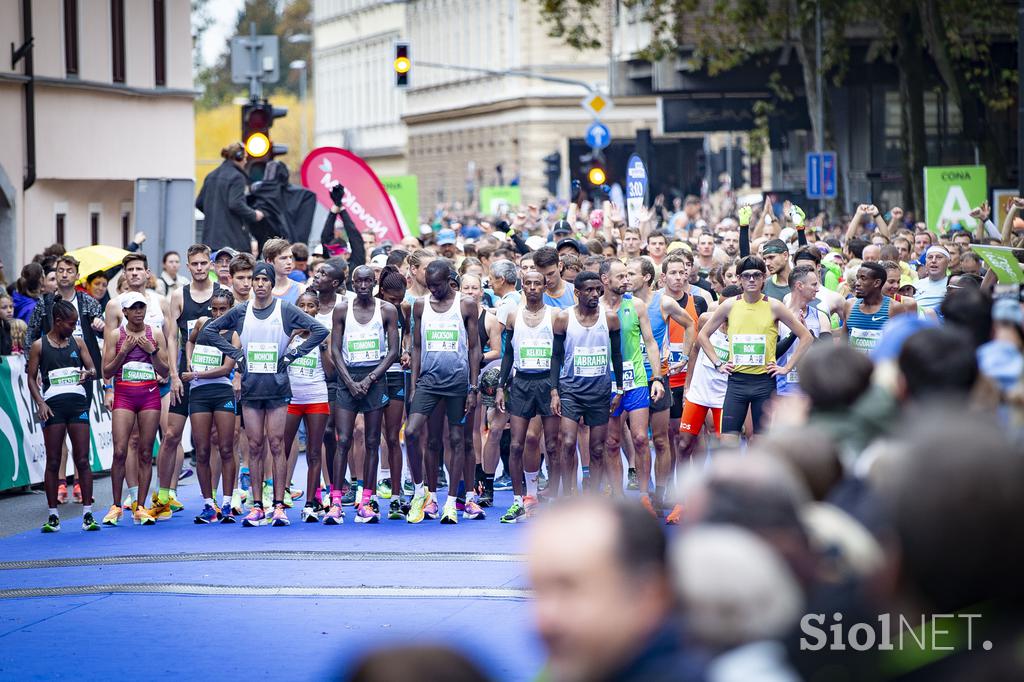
{"x":598,"y":136}
{"x":813,"y":175}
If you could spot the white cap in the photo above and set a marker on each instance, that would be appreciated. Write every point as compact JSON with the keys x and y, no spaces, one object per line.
{"x":379,"y":261}
{"x":130,"y":298}
{"x":535,"y":242}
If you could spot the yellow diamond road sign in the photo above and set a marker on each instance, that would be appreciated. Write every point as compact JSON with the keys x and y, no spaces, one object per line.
{"x":596,"y":104}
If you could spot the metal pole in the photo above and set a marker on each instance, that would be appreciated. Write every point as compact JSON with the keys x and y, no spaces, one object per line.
{"x":1020,"y":97}
{"x":819,"y":138}
{"x":255,"y":69}
{"x":302,"y":104}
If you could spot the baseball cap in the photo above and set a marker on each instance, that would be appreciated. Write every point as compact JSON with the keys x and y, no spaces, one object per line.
{"x":445,"y":237}
{"x":379,"y":261}
{"x":425,"y":229}
{"x":225,"y":251}
{"x":561,"y":227}
{"x":570,"y":242}
{"x":471,"y":232}
{"x":676,"y":246}
{"x":774,"y":246}
{"x":535,"y":242}
{"x":132,"y":298}
{"x":380,"y":251}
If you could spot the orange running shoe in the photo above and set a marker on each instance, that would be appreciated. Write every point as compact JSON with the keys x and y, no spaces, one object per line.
{"x":62,"y":493}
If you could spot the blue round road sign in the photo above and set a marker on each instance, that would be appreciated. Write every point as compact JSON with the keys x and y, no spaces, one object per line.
{"x":598,"y":136}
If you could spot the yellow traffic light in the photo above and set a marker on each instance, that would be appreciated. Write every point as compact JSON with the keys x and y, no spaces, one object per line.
{"x":257,"y":145}
{"x":402,"y":65}
{"x":597,"y":176}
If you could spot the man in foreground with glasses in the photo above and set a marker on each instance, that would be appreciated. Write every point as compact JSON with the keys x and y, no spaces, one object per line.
{"x":753,"y":333}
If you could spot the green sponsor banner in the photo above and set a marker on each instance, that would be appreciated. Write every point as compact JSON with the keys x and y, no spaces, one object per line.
{"x":493,"y":198}
{"x":14,"y":471}
{"x":1002,"y":261}
{"x":950,"y":192}
{"x":405,"y":191}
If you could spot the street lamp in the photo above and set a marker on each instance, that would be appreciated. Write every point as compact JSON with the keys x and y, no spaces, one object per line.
{"x":300,"y":66}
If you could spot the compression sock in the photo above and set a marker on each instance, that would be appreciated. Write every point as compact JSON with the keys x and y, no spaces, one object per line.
{"x":489,"y":484}
{"x":460,"y":492}
{"x":481,"y":476}
{"x":531,"y":483}
{"x":133,"y":493}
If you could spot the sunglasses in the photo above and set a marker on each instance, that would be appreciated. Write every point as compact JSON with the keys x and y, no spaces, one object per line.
{"x":751,"y":276}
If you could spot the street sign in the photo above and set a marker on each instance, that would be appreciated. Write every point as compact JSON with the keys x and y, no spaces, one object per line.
{"x":950,"y":192}
{"x":636,"y":189}
{"x":598,"y":135}
{"x":821,"y":175}
{"x":264,"y":66}
{"x":597,"y":104}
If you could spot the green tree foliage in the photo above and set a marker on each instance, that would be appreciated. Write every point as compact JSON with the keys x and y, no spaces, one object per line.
{"x":282,"y":18}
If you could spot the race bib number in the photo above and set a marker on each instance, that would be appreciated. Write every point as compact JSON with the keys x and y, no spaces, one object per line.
{"x":442,"y":337}
{"x":189,"y":326}
{"x":865,"y":340}
{"x":64,"y":376}
{"x":628,"y":376}
{"x":748,"y":349}
{"x":306,"y":366}
{"x":262,"y":358}
{"x":365,"y":348}
{"x":675,"y":353}
{"x":138,"y":371}
{"x":535,"y":354}
{"x":205,"y":358}
{"x":589,"y":361}
{"x":722,"y":351}
{"x":793,"y":377}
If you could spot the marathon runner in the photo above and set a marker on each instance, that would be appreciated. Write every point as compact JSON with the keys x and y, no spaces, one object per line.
{"x":868,"y":313}
{"x":586,"y":337}
{"x":212,"y":400}
{"x":365,"y":344}
{"x":803,"y":285}
{"x":753,"y":333}
{"x":134,"y":355}
{"x":265,"y":326}
{"x":64,"y":364}
{"x":557,"y":291}
{"x":445,"y":365}
{"x":529,"y":343}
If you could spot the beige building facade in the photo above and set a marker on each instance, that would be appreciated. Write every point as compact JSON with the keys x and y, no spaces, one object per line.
{"x":113,"y":103}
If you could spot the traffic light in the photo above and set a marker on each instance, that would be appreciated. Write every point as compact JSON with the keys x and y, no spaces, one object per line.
{"x":553,"y":171}
{"x":594,"y":168}
{"x":257,"y":119}
{"x":402,"y":64}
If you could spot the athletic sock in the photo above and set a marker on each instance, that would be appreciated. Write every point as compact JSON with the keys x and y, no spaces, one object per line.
{"x":226,"y":502}
{"x":481,"y":475}
{"x":489,"y":484}
{"x":133,"y":493}
{"x":208,"y":501}
{"x":336,"y":497}
{"x":53,"y":512}
{"x":586,"y":472}
{"x":449,"y":502}
{"x":366,"y":496}
{"x":460,"y":492}
{"x":518,"y":499}
{"x":278,"y":502}
{"x":173,"y":494}
{"x":163,"y":496}
{"x":86,"y":509}
{"x":531,"y":483}
{"x":632,"y":470}
{"x":418,"y":490}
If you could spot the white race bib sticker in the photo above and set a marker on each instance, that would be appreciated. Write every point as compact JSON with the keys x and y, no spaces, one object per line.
{"x":64,"y":376}
{"x":589,"y":361}
{"x":628,"y":376}
{"x":262,"y":358}
{"x":441,"y":337}
{"x":535,"y":354}
{"x":749,"y":349}
{"x":864,"y":340}
{"x":365,"y":347}
{"x":306,"y":366}
{"x":138,"y":371}
{"x":206,"y":358}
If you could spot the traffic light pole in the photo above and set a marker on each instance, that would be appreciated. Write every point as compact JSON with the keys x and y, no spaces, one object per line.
{"x":255,"y":82}
{"x":510,"y":72}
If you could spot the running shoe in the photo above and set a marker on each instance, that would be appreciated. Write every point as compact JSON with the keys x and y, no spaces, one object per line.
{"x":417,"y":510}
{"x":62,"y":493}
{"x":645,"y":502}
{"x":384,"y":489}
{"x":162,"y":512}
{"x":530,"y":506}
{"x":395,"y":512}
{"x":88,"y":522}
{"x":349,"y":498}
{"x":142,"y":517}
{"x":244,"y":481}
{"x":513,"y":514}
{"x":450,"y":516}
{"x":310,"y":513}
{"x":368,"y":513}
{"x":295,"y":493}
{"x":674,"y":516}
{"x":288,"y":499}
{"x":208,"y":515}
{"x":485,"y":499}
{"x":473,"y":511}
{"x":280,"y":516}
{"x":186,"y":472}
{"x":632,"y":482}
{"x":175,"y":505}
{"x":442,"y":479}
{"x":335,"y":516}
{"x":504,"y":482}
{"x":228,"y":514}
{"x":128,"y":504}
{"x":255,"y":517}
{"x":430,"y":509}
{"x":113,"y":515}
{"x":52,"y":524}
{"x":408,"y":487}
{"x":76,"y":494}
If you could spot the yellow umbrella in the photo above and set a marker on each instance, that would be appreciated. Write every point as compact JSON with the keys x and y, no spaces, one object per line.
{"x":95,"y":258}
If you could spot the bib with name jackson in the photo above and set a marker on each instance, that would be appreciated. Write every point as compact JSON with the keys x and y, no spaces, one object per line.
{"x":262,"y":358}
{"x":441,"y":336}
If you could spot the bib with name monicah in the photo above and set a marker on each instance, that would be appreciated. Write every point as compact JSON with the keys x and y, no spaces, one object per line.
{"x":262,"y":358}
{"x":590,"y":361}
{"x":138,"y":371}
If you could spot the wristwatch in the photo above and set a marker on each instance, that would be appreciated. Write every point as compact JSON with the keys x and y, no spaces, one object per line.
{"x":473,"y":388}
{"x":373,"y":377}
{"x":718,"y":364}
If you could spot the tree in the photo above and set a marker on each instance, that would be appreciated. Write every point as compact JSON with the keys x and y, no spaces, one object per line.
{"x":271,"y":17}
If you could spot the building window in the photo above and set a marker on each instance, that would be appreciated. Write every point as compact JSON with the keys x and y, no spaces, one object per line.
{"x":126,"y":228}
{"x":160,"y":42}
{"x":94,"y":227}
{"x":71,"y":37}
{"x":59,"y":237}
{"x":117,"y":39}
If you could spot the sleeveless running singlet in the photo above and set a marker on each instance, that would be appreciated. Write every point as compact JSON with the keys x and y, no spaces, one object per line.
{"x":191,"y":311}
{"x":632,"y":342}
{"x":207,"y":359}
{"x":865,"y":330}
{"x":363,"y":345}
{"x":753,"y":335}
{"x":306,"y":376}
{"x":566,"y":300}
{"x":789,"y":383}
{"x":444,"y":349}
{"x":138,"y":365}
{"x":586,"y":367}
{"x":60,"y":368}
{"x":659,"y":329}
{"x":532,"y":345}
{"x":676,"y":337}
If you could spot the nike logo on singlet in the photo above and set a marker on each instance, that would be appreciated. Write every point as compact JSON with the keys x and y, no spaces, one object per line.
{"x":875,"y":318}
